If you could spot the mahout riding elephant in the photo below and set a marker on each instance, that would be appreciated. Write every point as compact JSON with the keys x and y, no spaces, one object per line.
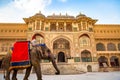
{"x":36,"y":54}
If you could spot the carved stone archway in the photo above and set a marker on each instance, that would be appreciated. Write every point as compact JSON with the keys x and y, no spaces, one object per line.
{"x":61,"y":46}
{"x":39,"y":37}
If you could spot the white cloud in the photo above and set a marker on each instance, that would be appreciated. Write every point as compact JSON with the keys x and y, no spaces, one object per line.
{"x":31,"y":5}
{"x":16,"y":10}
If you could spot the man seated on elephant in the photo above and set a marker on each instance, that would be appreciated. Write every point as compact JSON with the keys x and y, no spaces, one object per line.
{"x":46,"y":53}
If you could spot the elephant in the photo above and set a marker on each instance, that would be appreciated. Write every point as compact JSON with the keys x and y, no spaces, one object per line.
{"x":36,"y":55}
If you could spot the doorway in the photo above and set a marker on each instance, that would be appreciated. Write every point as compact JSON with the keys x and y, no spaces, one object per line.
{"x":61,"y":57}
{"x":89,"y":68}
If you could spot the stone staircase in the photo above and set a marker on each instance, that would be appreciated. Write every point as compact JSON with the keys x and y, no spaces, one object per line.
{"x":48,"y":69}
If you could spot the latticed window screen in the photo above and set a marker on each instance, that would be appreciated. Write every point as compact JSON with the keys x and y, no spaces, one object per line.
{"x":61,"y":44}
{"x":77,"y":59}
{"x":53,"y":27}
{"x":100,"y":47}
{"x":84,"y":41}
{"x":86,"y":56}
{"x":111,"y":47}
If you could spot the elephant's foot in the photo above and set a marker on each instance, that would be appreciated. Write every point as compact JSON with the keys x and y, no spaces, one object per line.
{"x":14,"y":78}
{"x":7,"y":78}
{"x":25,"y":79}
{"x":39,"y":79}
{"x":57,"y":73}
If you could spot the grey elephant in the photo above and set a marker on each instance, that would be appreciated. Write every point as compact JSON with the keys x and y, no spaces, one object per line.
{"x":36,"y":54}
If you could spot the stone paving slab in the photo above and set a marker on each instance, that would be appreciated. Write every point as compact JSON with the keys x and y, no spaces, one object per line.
{"x":86,"y":76}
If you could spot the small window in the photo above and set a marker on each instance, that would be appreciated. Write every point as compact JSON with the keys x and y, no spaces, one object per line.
{"x":91,"y":29}
{"x":1,"y":30}
{"x":13,"y":30}
{"x":100,"y":47}
{"x":111,"y":47}
{"x":76,"y":59}
{"x":75,"y":29}
{"x":9,"y":30}
{"x":17,"y":30}
{"x":46,"y":28}
{"x":5,"y":30}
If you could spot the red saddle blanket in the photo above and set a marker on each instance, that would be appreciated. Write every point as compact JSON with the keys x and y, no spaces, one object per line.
{"x":20,"y":55}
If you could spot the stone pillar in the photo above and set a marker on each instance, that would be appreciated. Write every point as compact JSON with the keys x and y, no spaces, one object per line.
{"x":86,"y":26}
{"x":35,"y":24}
{"x":117,"y":47}
{"x":64,"y":26}
{"x":81,"y":25}
{"x":109,"y":61}
{"x":40,"y":24}
{"x":49,"y":25}
{"x":105,"y":46}
{"x":57,"y":26}
{"x":33,"y":27}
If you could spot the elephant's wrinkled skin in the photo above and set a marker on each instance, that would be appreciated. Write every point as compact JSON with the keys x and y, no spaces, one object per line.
{"x":36,"y":54}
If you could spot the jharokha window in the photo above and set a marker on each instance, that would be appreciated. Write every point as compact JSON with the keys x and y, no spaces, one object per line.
{"x":84,"y":41}
{"x":53,"y":27}
{"x":61,"y":26}
{"x":111,"y":47}
{"x":100,"y":47}
{"x":68,"y":27}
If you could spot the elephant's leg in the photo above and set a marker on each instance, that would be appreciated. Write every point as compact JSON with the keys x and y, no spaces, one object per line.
{"x":27,"y":73}
{"x":14,"y":76}
{"x":37,"y":69}
{"x":7,"y":77}
{"x":54,"y":63}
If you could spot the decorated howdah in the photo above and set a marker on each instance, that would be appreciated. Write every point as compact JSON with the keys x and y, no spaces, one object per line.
{"x":20,"y":55}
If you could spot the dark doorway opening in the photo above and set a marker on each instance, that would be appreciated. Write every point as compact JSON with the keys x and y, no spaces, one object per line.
{"x":61,"y":57}
{"x":0,"y":63}
{"x":89,"y":68}
{"x":117,"y":62}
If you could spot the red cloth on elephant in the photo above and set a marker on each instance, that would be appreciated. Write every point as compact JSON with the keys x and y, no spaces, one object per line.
{"x":20,"y":55}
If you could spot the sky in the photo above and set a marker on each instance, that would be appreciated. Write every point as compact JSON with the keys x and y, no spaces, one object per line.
{"x":106,"y":11}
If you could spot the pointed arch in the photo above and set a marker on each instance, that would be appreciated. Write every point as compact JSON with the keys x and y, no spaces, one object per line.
{"x":100,"y":47}
{"x":61,"y":43}
{"x":38,"y":37}
{"x":84,"y":40}
{"x":111,"y":47}
{"x":114,"y":61}
{"x":37,"y":34}
{"x":103,"y":60}
{"x":86,"y":56}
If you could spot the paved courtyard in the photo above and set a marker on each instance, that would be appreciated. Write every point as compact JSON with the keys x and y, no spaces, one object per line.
{"x":85,"y":76}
